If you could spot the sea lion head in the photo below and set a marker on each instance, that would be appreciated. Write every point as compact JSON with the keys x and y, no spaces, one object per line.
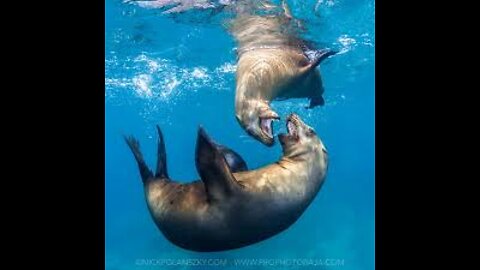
{"x":256,"y":118}
{"x":301,"y":140}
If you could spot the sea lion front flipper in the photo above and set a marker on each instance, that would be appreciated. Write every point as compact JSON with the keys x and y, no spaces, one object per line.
{"x":316,"y":101}
{"x":134,"y":146}
{"x":286,"y":10}
{"x":315,"y":58}
{"x":234,"y":160}
{"x":213,"y":169}
{"x":161,"y":170}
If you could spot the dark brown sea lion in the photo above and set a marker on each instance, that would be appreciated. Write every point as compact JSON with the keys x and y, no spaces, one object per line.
{"x":231,"y":208}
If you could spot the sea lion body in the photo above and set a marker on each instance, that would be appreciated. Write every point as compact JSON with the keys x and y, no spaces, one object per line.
{"x":272,"y":200}
{"x":268,"y":74}
{"x":225,"y":209}
{"x":274,"y":63}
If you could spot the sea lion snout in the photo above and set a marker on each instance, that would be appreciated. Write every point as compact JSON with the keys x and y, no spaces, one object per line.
{"x":257,"y":119}
{"x":300,"y":139}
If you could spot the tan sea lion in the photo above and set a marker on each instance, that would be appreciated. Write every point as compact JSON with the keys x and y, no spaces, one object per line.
{"x":230,"y":209}
{"x":274,"y":63}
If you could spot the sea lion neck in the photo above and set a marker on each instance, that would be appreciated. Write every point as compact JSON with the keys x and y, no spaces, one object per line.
{"x":298,"y":154}
{"x":294,"y":159}
{"x":244,"y":91}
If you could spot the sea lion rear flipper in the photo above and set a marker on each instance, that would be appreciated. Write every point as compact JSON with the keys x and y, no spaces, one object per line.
{"x":316,"y":57}
{"x":161,"y":170}
{"x":134,"y":146}
{"x":213,"y":168}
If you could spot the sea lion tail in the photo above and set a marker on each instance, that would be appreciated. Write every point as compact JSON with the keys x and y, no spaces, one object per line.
{"x":161,"y":170}
{"x":134,"y":146}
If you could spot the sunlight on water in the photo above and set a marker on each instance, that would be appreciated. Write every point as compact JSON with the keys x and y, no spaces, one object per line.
{"x":158,"y":78}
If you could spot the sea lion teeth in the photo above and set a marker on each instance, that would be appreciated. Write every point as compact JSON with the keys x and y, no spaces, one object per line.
{"x":267,"y":126}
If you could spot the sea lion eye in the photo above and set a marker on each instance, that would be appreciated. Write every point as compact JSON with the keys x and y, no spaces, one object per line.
{"x":311,"y":132}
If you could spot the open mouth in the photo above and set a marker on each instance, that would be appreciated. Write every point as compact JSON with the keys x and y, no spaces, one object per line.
{"x":292,"y":127}
{"x":266,"y":126}
{"x":292,"y":130}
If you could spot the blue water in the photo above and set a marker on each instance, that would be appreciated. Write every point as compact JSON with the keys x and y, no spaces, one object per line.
{"x":178,"y":72}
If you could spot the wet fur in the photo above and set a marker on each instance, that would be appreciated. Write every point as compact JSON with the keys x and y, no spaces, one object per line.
{"x":272,"y":60}
{"x":230,"y":209}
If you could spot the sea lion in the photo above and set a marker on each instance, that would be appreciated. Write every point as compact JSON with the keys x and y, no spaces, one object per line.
{"x":273,"y":63}
{"x":229,"y":209}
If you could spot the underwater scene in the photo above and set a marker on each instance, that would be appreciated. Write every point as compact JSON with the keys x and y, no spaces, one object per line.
{"x":280,"y":84}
